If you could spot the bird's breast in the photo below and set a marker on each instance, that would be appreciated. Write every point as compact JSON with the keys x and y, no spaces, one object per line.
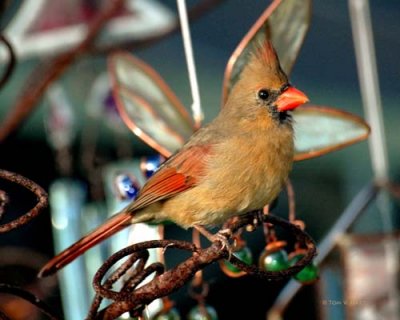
{"x":244,"y":173}
{"x":257,"y":168}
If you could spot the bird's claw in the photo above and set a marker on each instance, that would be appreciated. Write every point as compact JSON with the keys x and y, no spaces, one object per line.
{"x":222,"y":236}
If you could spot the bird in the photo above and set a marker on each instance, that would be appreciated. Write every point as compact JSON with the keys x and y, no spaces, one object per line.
{"x":235,"y":164}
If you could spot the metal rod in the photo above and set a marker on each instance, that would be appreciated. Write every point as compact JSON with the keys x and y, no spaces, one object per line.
{"x":187,"y":43}
{"x":370,"y":93}
{"x":369,"y":86}
{"x":368,"y":78}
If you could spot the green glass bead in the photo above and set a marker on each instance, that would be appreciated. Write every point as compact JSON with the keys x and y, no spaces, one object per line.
{"x":308,"y":274}
{"x":275,"y":261}
{"x":244,"y":255}
{"x":208,"y":314}
{"x":171,"y":314}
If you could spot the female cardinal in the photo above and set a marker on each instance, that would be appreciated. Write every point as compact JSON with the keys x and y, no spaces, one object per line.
{"x":236,"y":164}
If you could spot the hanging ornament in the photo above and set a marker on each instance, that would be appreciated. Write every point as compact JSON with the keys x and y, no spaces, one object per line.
{"x":309,"y":274}
{"x":241,"y":251}
{"x":172,"y":314}
{"x":198,"y":290}
{"x":150,"y":164}
{"x":202,"y":312}
{"x":126,"y":186}
{"x":168,"y":312}
{"x":274,"y":257}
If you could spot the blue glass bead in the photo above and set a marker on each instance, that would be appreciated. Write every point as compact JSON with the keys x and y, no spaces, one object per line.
{"x":127,"y":187}
{"x":150,"y":164}
{"x":207,"y":313}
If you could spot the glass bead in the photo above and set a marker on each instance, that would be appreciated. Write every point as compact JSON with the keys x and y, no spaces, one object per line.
{"x":308,"y":274}
{"x":171,"y":314}
{"x":127,"y":316}
{"x":244,"y":254}
{"x":127,"y":187}
{"x":274,"y":261}
{"x":150,"y":164}
{"x":199,"y":313}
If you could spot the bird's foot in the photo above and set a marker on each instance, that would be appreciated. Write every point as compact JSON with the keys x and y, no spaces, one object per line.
{"x":221,"y":236}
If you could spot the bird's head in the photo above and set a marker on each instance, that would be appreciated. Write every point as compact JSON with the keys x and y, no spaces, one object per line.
{"x":263,"y":84}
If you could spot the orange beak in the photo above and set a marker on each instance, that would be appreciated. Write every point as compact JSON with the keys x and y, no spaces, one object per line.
{"x":290,"y":99}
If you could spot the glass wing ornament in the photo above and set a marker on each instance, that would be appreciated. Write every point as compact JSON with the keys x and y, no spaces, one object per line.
{"x":36,"y":27}
{"x":152,"y":111}
{"x":286,"y":23}
{"x":318,"y":130}
{"x":147,"y":105}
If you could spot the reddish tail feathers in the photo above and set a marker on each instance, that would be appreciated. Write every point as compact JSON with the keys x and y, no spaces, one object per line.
{"x":110,"y":227}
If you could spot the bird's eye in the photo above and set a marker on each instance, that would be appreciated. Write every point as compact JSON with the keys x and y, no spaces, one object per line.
{"x":263,"y":94}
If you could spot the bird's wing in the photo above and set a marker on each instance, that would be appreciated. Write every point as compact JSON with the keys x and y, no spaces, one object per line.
{"x":180,"y":172}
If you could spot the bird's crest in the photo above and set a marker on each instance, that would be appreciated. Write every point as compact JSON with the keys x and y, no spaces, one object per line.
{"x":266,"y":54}
{"x":263,"y":68}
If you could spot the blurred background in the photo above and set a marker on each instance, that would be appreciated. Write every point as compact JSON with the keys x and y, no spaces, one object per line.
{"x":325,"y":70}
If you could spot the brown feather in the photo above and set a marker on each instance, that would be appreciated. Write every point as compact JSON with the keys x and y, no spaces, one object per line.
{"x":104,"y":231}
{"x":178,"y":174}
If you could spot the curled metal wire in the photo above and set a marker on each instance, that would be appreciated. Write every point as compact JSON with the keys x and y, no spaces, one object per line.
{"x":27,"y":259}
{"x":41,"y":204}
{"x":27,"y":296}
{"x":172,"y":279}
{"x":30,"y":185}
{"x":11,"y":61}
{"x":302,"y":238}
{"x":135,"y":297}
{"x":3,"y":202}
